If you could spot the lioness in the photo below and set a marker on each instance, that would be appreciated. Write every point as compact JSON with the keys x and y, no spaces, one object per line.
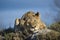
{"x":31,"y":27}
{"x":29,"y":23}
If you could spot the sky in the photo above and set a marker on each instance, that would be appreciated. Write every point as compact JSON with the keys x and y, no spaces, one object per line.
{"x":12,"y":9}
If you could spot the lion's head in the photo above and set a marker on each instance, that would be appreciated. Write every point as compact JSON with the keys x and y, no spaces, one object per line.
{"x":32,"y":21}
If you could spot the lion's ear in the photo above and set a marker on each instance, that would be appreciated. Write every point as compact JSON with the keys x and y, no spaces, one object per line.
{"x":17,"y":21}
{"x":37,"y":14}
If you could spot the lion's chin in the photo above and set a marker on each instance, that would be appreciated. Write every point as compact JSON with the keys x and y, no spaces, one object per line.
{"x":34,"y":30}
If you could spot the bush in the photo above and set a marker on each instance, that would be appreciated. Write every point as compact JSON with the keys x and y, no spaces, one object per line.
{"x":55,"y":26}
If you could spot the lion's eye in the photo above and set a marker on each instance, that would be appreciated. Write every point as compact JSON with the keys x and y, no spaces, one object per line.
{"x":34,"y":20}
